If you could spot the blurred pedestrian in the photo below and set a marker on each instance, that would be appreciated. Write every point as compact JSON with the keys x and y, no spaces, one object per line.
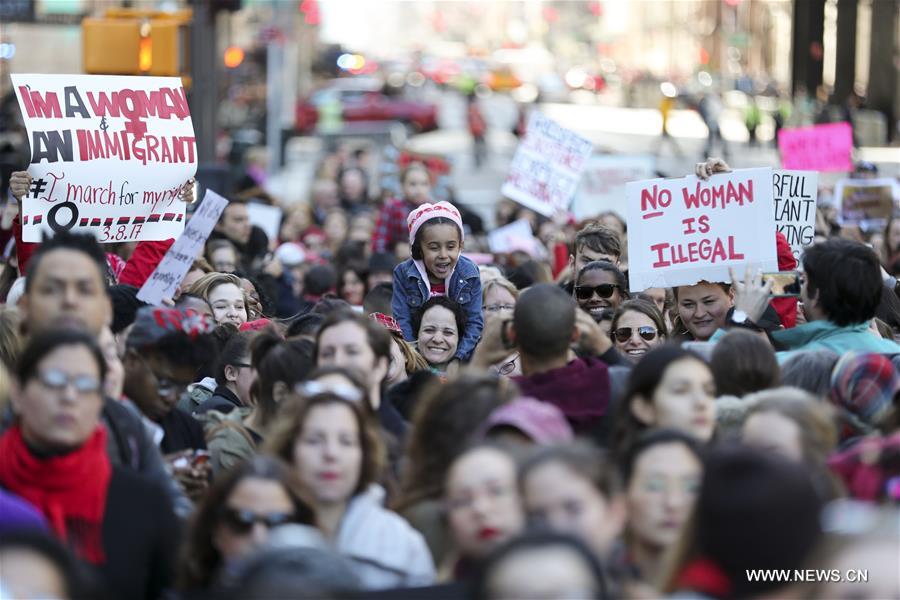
{"x":391,"y":229}
{"x":477,"y":129}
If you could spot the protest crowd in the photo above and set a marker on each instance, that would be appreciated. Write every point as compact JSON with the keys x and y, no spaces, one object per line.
{"x":375,"y":404}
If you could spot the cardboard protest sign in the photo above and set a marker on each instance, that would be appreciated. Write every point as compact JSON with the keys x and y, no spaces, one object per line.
{"x":866,"y":201}
{"x":266,"y":217}
{"x":546,"y":167}
{"x":681,"y":231}
{"x":109,"y":155}
{"x":171,"y":270}
{"x":794,"y":194}
{"x":823,"y":148}
{"x":603,"y":183}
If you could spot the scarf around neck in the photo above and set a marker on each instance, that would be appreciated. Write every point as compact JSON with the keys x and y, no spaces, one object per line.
{"x":70,"y":490}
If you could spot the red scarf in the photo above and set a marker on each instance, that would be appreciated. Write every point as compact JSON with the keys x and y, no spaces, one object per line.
{"x":70,"y":490}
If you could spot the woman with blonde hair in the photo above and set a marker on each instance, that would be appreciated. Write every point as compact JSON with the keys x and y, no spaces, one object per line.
{"x":225,"y":296}
{"x":404,"y":359}
{"x":498,"y":300}
{"x":794,"y":424}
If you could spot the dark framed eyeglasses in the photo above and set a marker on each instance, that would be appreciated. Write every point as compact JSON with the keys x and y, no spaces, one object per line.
{"x":647,"y":333}
{"x":508,"y":367}
{"x":242,"y":521}
{"x":604,"y":290}
{"x":58,"y":380}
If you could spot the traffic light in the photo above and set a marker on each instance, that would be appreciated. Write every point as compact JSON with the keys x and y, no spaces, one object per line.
{"x":111,"y":46}
{"x":136,"y":42}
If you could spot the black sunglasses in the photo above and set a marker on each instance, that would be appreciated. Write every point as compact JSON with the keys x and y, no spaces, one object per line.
{"x":623,"y":334}
{"x":604,"y":290}
{"x":242,"y":521}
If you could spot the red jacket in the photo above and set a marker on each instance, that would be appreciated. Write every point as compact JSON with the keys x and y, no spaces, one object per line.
{"x":137,"y":270}
{"x":785,"y":307}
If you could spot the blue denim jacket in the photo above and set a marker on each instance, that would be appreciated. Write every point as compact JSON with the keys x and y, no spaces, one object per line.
{"x":464,"y":288}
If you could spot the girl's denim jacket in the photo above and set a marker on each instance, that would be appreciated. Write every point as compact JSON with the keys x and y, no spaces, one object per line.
{"x":412,"y":290}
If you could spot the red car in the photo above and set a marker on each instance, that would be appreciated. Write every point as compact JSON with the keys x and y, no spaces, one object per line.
{"x":362,"y":100}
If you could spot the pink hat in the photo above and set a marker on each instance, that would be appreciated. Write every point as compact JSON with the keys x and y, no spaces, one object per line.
{"x":426,"y":212}
{"x":541,"y":422}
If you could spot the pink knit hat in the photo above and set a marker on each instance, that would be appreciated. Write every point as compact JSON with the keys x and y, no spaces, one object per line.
{"x":425,"y":212}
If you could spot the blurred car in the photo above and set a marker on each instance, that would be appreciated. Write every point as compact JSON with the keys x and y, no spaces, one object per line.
{"x":362,"y":99}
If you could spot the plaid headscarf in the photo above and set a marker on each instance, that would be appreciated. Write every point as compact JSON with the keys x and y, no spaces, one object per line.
{"x":863,"y":387}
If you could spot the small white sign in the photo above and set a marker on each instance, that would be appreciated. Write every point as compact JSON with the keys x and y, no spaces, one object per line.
{"x":170,"y":271}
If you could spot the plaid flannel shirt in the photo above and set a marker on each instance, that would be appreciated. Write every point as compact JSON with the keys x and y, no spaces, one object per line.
{"x":390,"y":227}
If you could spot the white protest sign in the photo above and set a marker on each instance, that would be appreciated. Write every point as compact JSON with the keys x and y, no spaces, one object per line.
{"x":109,"y":155}
{"x":171,"y":270}
{"x":515,"y":234}
{"x":544,"y":172}
{"x":795,"y":194}
{"x":681,"y":231}
{"x":603,"y":183}
{"x":266,"y":217}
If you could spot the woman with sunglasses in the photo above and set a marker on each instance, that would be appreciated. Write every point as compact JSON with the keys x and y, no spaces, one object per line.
{"x":54,"y":456}
{"x":637,"y":327}
{"x":333,"y":445}
{"x":236,"y":517}
{"x":599,"y":285}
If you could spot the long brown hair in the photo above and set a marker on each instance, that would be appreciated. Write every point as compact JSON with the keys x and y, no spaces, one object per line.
{"x":292,"y":419}
{"x":444,"y":425}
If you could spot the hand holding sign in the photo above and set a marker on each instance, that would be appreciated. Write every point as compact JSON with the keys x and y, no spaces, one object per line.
{"x":19,"y":184}
{"x":171,"y":270}
{"x":752,"y":295}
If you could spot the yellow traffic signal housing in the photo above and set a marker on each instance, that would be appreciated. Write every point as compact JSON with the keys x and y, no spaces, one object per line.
{"x":111,"y":46}
{"x":129,"y":42}
{"x":166,"y":44}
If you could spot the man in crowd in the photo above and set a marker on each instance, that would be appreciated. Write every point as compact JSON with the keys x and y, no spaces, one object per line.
{"x":841,"y":288}
{"x":592,"y":243}
{"x":249,"y":240}
{"x":546,"y":323}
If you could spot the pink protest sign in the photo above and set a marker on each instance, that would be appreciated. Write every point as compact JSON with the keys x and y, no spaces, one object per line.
{"x":823,"y":148}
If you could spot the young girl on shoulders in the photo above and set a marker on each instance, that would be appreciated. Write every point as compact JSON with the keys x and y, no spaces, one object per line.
{"x":436,"y":268}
